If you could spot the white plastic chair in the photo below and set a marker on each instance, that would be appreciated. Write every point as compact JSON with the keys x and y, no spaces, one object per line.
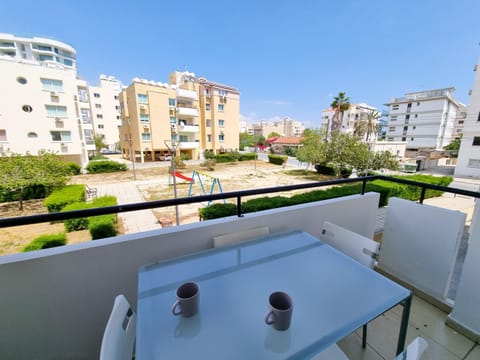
{"x":227,"y":239}
{"x":333,"y":352}
{"x":414,"y":350}
{"x":358,"y":247}
{"x":119,"y":336}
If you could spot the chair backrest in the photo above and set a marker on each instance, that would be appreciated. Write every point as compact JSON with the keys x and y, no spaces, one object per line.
{"x":357,"y":246}
{"x":119,"y":337}
{"x":414,"y":350}
{"x":243,"y":235}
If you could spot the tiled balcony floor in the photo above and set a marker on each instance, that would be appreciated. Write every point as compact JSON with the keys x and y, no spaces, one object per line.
{"x":426,"y":321}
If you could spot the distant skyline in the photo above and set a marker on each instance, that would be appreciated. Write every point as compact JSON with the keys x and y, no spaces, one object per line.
{"x":287,"y":58}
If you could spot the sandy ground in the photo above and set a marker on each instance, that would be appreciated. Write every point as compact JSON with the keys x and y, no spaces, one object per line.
{"x":153,"y":183}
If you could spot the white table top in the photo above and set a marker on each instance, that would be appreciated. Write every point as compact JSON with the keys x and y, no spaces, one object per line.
{"x":328,"y":289}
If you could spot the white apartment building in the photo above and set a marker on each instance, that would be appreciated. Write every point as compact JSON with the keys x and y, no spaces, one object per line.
{"x":423,"y":119}
{"x":38,"y":103}
{"x":105,"y":110}
{"x":459,"y":123}
{"x":355,"y":113}
{"x":287,"y":127}
{"x":468,"y":162}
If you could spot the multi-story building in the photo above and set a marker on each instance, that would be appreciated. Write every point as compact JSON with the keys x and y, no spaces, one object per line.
{"x":105,"y":110}
{"x":468,"y":162}
{"x":355,"y":113}
{"x":38,"y":98}
{"x":191,"y":112}
{"x":459,"y":123}
{"x":286,"y":128}
{"x":423,"y":119}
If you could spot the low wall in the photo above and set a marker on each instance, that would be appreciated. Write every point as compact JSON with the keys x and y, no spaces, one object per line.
{"x":55,"y":302}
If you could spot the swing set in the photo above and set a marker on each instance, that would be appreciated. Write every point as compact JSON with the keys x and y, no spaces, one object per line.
{"x":215,"y":183}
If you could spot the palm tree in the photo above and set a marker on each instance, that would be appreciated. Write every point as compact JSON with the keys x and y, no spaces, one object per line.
{"x":340,"y":104}
{"x":371,"y":123}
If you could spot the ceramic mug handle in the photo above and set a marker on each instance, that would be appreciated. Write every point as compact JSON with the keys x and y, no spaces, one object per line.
{"x":174,"y":308}
{"x":270,"y":318}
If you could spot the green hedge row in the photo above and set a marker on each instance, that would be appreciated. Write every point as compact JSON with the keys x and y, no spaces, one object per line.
{"x":46,"y":241}
{"x":234,"y":156}
{"x":248,"y":156}
{"x":30,"y":192}
{"x":59,"y":198}
{"x":105,"y":166}
{"x":99,"y":226}
{"x":277,"y":159}
{"x":386,"y":189}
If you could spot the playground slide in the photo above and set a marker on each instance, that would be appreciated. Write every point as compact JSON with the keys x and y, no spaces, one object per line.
{"x":181,"y":176}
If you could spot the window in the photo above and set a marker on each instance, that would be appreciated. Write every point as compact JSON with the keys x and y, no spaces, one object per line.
{"x":42,"y":57}
{"x":390,"y":139}
{"x":404,"y":139}
{"x":405,"y":128}
{"x":209,"y":138}
{"x":142,"y":98}
{"x":85,"y":115}
{"x":393,"y":118}
{"x":459,"y":130}
{"x":407,"y":117}
{"x":173,"y":120}
{"x":460,"y":121}
{"x":32,"y":135}
{"x":207,"y":107}
{"x":118,"y":117}
{"x":222,"y":93}
{"x":42,"y":47}
{"x":409,"y":105}
{"x":146,"y":137}
{"x":144,"y":118}
{"x":183,"y":138}
{"x":27,"y":108}
{"x":3,"y":135}
{"x":172,"y":102}
{"x":97,"y":95}
{"x":414,"y":127}
{"x":56,"y":111}
{"x":221,"y":107}
{"x":418,"y":104}
{"x":416,"y":115}
{"x":476,"y":141}
{"x":7,"y":44}
{"x":209,"y":123}
{"x":98,"y":106}
{"x":474,"y":163}
{"x":21,"y":80}
{"x":115,"y":97}
{"x":221,"y":123}
{"x":395,"y":107}
{"x":60,"y":135}
{"x":99,"y":116}
{"x":411,"y":139}
{"x":221,"y":137}
{"x":117,"y":107}
{"x":52,"y":85}
{"x":67,"y":62}
{"x":391,"y":128}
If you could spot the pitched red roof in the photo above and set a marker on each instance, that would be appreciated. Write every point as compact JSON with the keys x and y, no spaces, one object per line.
{"x":290,"y":140}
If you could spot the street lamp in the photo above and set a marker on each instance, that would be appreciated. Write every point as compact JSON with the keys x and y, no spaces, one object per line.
{"x":173,"y":150}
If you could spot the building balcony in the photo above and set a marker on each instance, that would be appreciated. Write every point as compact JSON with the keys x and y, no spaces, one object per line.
{"x":188,"y":145}
{"x":187,"y":111}
{"x":67,"y":292}
{"x":188,"y":128}
{"x":187,"y":94}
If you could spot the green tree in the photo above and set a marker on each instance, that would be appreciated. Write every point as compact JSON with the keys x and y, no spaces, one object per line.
{"x":454,"y":147}
{"x":273,"y":134}
{"x":246,"y":140}
{"x":21,"y":171}
{"x":340,"y":104}
{"x":100,"y":142}
{"x":314,"y":149}
{"x":367,"y":125}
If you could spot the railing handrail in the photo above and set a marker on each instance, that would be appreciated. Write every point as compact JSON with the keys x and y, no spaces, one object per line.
{"x":39,"y":218}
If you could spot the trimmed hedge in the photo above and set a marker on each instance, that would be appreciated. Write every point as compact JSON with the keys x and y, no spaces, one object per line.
{"x":74,"y":168}
{"x":227,"y":157}
{"x":277,"y":159}
{"x":64,"y":196}
{"x":84,"y":222}
{"x":386,"y":189}
{"x":30,"y":192}
{"x":46,"y":241}
{"x":102,"y":226}
{"x":248,"y":156}
{"x":105,"y":166}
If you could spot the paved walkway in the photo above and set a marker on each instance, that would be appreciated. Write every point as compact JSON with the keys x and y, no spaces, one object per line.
{"x":127,"y":193}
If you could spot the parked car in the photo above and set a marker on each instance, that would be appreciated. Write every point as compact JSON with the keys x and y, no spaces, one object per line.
{"x":164,"y":157}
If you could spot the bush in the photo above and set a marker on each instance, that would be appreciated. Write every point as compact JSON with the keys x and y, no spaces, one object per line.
{"x":325,"y":169}
{"x":105,"y":166}
{"x":38,"y":191}
{"x":345,"y":173}
{"x":102,"y":226}
{"x":74,"y":168}
{"x":64,"y":196}
{"x":248,"y":156}
{"x":84,"y":222}
{"x":209,"y":164}
{"x":46,"y":241}
{"x":208,"y":154}
{"x":277,"y":159}
{"x":231,"y":156}
{"x":216,"y":211}
{"x":290,"y":151}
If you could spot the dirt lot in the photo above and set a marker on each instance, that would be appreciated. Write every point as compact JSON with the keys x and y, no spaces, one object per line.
{"x":153,"y":184}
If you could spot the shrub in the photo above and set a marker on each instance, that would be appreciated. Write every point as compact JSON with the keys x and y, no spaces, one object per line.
{"x":74,"y":168}
{"x":102,"y":226}
{"x":277,"y":159}
{"x":38,"y":191}
{"x":208,"y":154}
{"x":345,"y":173}
{"x":46,"y":241}
{"x":290,"y":151}
{"x":77,"y":223}
{"x":248,"y":156}
{"x":59,"y":198}
{"x":231,"y":156}
{"x":209,"y":164}
{"x":216,"y":211}
{"x":105,"y":166}
{"x":326,"y":169}
{"x":265,"y":203}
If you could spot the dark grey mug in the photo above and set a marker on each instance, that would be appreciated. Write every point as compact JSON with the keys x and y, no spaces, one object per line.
{"x":188,"y":296}
{"x":281,"y":308}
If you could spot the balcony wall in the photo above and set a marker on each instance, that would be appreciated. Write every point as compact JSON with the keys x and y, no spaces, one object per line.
{"x":56,"y":302}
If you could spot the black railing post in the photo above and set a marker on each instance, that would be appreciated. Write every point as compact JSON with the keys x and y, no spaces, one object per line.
{"x":239,"y":206}
{"x":364,"y":186}
{"x":422,"y":195}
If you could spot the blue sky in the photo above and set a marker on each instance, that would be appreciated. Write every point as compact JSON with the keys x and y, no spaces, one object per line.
{"x":287,"y":58}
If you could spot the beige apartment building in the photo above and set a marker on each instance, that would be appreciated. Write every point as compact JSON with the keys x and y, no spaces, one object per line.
{"x":189,"y":113}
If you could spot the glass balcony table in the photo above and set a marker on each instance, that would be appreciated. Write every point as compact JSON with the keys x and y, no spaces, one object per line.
{"x":333,"y":295}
